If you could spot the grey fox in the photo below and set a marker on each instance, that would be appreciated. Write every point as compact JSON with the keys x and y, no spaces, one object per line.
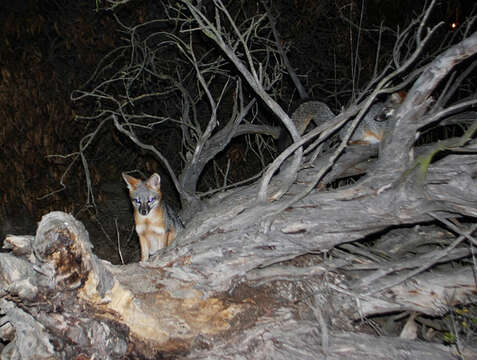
{"x":391,"y":104}
{"x":371,"y":128}
{"x":156,"y":223}
{"x":369,"y":131}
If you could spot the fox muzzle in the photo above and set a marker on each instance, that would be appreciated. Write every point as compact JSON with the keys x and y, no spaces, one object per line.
{"x":144,"y":209}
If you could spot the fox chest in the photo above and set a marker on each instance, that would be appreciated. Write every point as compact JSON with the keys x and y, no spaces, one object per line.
{"x":152,"y":224}
{"x":373,"y":136}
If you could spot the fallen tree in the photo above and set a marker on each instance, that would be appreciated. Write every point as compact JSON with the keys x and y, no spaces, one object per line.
{"x":249,"y":276}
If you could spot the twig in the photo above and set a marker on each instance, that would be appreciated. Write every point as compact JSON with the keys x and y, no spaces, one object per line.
{"x":447,"y":95}
{"x":278,"y":43}
{"x":213,"y":32}
{"x":133,"y":137}
{"x":433,"y":117}
{"x":427,"y":264}
{"x":234,"y":185}
{"x":119,"y":240}
{"x":79,"y":155}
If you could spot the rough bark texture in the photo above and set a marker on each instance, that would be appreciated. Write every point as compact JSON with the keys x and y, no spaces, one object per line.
{"x":65,"y":303}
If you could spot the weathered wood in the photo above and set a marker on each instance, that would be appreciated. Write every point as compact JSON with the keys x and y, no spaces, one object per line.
{"x":87,"y":306}
{"x":82,"y":302}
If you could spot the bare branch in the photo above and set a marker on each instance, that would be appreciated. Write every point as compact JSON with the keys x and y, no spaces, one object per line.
{"x":250,"y":75}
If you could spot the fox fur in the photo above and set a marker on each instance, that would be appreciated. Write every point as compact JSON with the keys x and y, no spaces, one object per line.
{"x":156,"y":223}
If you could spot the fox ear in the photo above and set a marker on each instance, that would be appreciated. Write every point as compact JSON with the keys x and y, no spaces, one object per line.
{"x":131,"y":182}
{"x":154,"y":181}
{"x":398,"y":97}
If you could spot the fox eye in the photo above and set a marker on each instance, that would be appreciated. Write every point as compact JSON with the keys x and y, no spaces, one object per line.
{"x":151,"y":199}
{"x":137,"y":201}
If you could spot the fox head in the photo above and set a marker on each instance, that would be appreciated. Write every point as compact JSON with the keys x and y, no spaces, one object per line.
{"x":391,"y":105}
{"x":145,"y":195}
